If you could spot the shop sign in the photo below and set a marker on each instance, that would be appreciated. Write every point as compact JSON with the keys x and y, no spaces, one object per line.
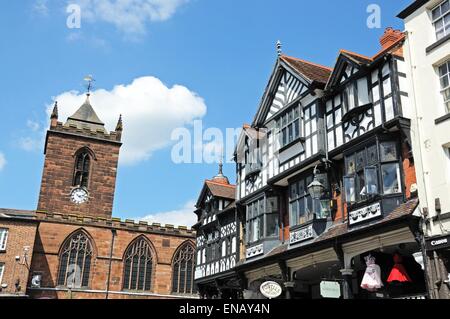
{"x":438,"y":243}
{"x":330,"y":289}
{"x":271,"y":289}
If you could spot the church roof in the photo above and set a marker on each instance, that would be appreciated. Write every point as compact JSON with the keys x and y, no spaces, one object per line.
{"x":85,"y":117}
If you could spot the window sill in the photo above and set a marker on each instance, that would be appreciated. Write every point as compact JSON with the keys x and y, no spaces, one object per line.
{"x":261,"y":241}
{"x":442,"y":119}
{"x":437,"y":44}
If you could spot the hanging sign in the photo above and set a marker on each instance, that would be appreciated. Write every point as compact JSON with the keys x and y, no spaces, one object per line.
{"x":330,"y":289}
{"x":271,"y":289}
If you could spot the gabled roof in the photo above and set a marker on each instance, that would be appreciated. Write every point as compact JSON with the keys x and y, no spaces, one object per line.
{"x":221,"y":190}
{"x":312,"y":71}
{"x":355,"y":57}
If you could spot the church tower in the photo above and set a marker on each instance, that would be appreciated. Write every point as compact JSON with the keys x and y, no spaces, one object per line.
{"x":80,"y":168}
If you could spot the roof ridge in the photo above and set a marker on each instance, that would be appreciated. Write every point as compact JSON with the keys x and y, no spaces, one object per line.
{"x":307,"y":62}
{"x":356,"y":54}
{"x":220,"y":184}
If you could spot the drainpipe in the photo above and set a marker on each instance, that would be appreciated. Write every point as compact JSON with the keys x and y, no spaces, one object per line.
{"x":113,"y":237}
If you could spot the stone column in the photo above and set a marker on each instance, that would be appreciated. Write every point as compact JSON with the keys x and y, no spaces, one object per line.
{"x":347,"y":275}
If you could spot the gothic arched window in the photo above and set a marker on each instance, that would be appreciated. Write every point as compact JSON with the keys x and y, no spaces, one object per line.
{"x":75,"y":261}
{"x":138,"y":266}
{"x":183,"y":270}
{"x":82,"y":169}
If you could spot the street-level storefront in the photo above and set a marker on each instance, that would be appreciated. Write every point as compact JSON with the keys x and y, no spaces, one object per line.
{"x":438,"y":260}
{"x":382,"y":260}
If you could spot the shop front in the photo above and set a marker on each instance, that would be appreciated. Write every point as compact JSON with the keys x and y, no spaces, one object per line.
{"x":438,"y":257}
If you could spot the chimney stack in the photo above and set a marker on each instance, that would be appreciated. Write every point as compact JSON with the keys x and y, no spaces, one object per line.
{"x":389,"y":37}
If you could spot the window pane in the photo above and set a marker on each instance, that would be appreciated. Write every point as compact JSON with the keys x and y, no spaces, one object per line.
{"x":350,"y":165}
{"x":443,"y":69}
{"x":388,"y":151}
{"x":297,"y":128}
{"x":371,"y":180}
{"x":294,"y":213}
{"x":372,"y":155}
{"x":361,"y":185}
{"x":391,"y":178}
{"x":301,"y":211}
{"x":349,"y":185}
{"x":294,"y":191}
{"x":272,"y":225}
{"x":436,"y":13}
{"x":360,"y":159}
{"x":445,"y":7}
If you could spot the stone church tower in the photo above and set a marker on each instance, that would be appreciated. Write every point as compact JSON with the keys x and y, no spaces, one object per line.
{"x":80,"y":166}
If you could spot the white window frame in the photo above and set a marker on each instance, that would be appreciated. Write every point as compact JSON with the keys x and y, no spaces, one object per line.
{"x":439,"y":18}
{"x":2,"y":270}
{"x":446,"y":88}
{"x":4,"y":232}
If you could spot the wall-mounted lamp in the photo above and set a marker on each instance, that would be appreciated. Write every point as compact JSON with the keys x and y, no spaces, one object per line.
{"x":316,"y":189}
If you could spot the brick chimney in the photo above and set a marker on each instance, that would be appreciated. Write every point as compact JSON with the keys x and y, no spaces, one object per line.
{"x":389,"y":37}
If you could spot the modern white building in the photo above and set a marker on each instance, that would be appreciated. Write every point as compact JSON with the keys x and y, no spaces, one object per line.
{"x":427,"y":52}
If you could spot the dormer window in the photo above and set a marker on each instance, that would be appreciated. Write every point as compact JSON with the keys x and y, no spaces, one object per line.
{"x":82,"y":169}
{"x":441,"y":19}
{"x":356,"y":94}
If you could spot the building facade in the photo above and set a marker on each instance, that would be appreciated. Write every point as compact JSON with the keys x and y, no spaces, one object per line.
{"x":218,"y":240}
{"x":427,"y":53}
{"x":326,"y":180}
{"x":76,"y":248}
{"x":17,"y":233}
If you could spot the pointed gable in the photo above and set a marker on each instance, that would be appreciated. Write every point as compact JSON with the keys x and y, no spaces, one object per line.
{"x":290,"y":79}
{"x":347,"y":64}
{"x":85,"y":117}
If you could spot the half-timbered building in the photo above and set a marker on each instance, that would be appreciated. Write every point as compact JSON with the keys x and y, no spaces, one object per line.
{"x":326,"y":177}
{"x":218,"y":239}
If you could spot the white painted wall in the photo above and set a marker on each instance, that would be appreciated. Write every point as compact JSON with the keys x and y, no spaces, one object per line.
{"x":429,"y":139}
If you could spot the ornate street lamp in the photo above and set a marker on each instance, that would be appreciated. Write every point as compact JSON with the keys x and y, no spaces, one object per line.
{"x":316,"y":188}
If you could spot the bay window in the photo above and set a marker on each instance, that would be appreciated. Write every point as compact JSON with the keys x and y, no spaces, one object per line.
{"x":289,"y":126}
{"x":262,"y":219}
{"x":444,"y":75}
{"x":441,"y":19}
{"x":373,"y":170}
{"x":302,"y":207}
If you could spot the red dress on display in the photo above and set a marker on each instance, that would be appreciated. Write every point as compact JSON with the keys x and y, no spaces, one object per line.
{"x":398,"y":272}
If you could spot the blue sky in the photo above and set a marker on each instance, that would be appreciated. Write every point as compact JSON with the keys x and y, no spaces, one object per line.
{"x":219,"y":53}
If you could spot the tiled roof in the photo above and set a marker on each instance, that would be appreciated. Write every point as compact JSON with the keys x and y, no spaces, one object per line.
{"x":358,"y":58}
{"x":312,"y":71}
{"x":222,"y":190}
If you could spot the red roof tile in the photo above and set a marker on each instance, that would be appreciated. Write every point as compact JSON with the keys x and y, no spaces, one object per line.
{"x":311,"y":71}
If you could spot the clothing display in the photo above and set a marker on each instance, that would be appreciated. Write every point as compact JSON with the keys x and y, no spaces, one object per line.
{"x":398,"y":272}
{"x":372,"y":277}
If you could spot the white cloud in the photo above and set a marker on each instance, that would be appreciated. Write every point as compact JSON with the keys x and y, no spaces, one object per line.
{"x":129,"y":16}
{"x":41,"y":7}
{"x":33,"y":125}
{"x":2,"y":161}
{"x":181,"y":217}
{"x":150,"y":109}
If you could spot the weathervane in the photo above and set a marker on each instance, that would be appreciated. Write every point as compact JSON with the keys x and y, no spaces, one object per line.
{"x":89,"y":79}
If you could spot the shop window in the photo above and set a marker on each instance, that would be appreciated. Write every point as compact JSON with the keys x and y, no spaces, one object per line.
{"x":370,"y":166}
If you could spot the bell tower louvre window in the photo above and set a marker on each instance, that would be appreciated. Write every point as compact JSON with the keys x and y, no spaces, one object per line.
{"x":82,"y":169}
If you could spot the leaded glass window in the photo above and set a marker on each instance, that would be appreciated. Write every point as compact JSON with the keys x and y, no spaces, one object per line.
{"x":138,"y":266}
{"x":183,"y":270}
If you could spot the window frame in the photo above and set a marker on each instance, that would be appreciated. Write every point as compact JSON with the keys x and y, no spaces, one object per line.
{"x":2,"y":271}
{"x":370,"y":164}
{"x":261,"y":216}
{"x":85,"y":174}
{"x":445,"y":90}
{"x":180,"y":256}
{"x":282,"y":125}
{"x":441,"y":17}
{"x":127,"y":256}
{"x":4,"y":234}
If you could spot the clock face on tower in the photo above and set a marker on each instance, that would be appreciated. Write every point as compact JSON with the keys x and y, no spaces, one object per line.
{"x":79,"y":196}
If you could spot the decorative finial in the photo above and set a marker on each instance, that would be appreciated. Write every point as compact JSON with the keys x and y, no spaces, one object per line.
{"x":89,"y":80}
{"x":119,"y":127}
{"x":279,"y":48}
{"x":55,"y":111}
